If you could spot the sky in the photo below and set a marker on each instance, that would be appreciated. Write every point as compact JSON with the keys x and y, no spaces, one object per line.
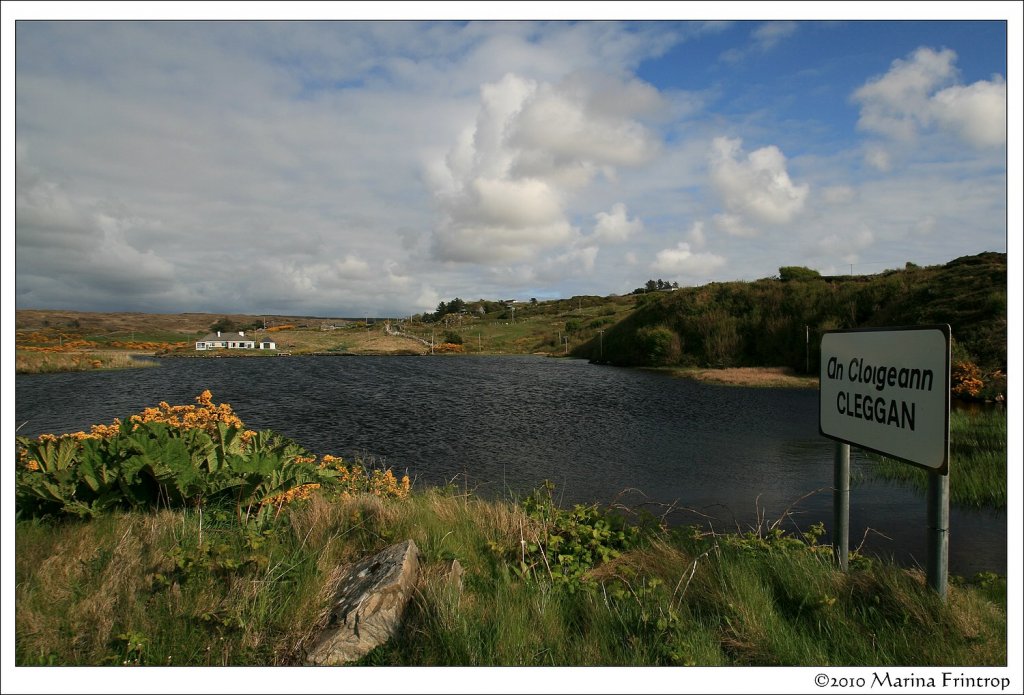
{"x":356,"y":167}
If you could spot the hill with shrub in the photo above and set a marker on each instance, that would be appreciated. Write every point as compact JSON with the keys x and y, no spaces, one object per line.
{"x":779,"y":321}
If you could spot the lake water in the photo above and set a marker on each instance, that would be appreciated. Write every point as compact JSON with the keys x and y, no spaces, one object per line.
{"x":730,"y":457}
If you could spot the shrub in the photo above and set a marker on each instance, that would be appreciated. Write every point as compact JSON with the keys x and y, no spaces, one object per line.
{"x":659,"y":345}
{"x":797,"y":272}
{"x":965,"y":380}
{"x":177,"y":456}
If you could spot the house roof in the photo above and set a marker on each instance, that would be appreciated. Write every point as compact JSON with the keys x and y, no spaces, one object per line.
{"x":225,"y":336}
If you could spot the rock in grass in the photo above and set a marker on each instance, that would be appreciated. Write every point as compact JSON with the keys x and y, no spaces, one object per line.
{"x":372,"y":597}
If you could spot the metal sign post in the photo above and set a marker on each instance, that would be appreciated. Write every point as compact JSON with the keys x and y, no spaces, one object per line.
{"x":841,"y":506}
{"x":938,"y":532}
{"x":887,"y":390}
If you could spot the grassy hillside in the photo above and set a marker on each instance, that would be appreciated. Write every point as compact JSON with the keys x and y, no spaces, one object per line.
{"x":550,"y":327}
{"x":772,"y":321}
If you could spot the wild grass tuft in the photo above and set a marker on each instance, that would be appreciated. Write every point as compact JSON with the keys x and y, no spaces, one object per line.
{"x":977,"y":460}
{"x":184,"y":588}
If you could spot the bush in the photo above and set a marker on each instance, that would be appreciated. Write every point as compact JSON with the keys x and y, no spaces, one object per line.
{"x":797,"y":272}
{"x":179,"y":456}
{"x":965,"y":378}
{"x":659,"y":345}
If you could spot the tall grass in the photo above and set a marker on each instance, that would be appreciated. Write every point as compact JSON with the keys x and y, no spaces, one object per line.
{"x":977,"y":460}
{"x":191,"y":588}
{"x":49,"y":362}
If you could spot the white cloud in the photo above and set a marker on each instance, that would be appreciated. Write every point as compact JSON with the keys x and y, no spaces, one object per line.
{"x":913,"y":96}
{"x":427,"y":299}
{"x":846,"y":246}
{"x":503,"y":187}
{"x":682,"y":261}
{"x":576,"y":262}
{"x":696,"y":235}
{"x":615,"y":226}
{"x":977,"y":113}
{"x":768,"y":35}
{"x":763,"y":39}
{"x":757,"y":186}
{"x":924,"y":226}
{"x":733,"y":225}
{"x":877,"y":157}
{"x":305,"y":167}
{"x":834,"y":195}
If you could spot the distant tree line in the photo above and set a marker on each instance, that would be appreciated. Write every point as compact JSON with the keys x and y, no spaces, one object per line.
{"x":655,"y":285}
{"x":226,"y":325}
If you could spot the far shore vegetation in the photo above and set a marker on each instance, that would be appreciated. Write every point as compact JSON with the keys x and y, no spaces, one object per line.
{"x":177,"y":537}
{"x":758,"y":333}
{"x":27,"y":362}
{"x":754,"y":377}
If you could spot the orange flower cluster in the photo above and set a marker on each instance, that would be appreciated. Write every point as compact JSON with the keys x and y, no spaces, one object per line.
{"x":449,"y":347}
{"x":204,"y":416}
{"x":285,"y":327}
{"x":36,"y":337}
{"x":66,"y":346}
{"x":966,"y":378}
{"x":301,"y":492}
{"x":356,"y":479}
{"x":42,"y":342}
{"x":147,"y":345}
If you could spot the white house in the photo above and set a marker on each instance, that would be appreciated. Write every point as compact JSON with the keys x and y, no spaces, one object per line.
{"x":234,"y":341}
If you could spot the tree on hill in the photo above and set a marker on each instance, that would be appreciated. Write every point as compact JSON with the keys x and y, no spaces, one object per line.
{"x":224,"y":325}
{"x":797,"y":272}
{"x":655,"y":286}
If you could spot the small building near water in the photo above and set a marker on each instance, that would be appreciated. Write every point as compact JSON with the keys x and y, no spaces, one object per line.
{"x":234,"y":341}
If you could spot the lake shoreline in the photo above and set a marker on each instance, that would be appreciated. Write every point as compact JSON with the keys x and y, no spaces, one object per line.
{"x":756,"y":377}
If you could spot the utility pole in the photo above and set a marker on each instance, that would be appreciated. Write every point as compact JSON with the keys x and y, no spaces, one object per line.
{"x":601,"y":342}
{"x":807,"y":351}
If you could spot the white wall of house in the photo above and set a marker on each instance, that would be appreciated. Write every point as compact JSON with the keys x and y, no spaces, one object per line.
{"x":237,"y":341}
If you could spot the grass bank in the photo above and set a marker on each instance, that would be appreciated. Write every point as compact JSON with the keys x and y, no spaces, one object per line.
{"x":757,"y":377}
{"x":977,"y":460}
{"x":29,"y":362}
{"x":184,"y":588}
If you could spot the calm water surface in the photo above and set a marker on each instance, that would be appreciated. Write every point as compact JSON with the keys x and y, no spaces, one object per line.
{"x":501,"y":425}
